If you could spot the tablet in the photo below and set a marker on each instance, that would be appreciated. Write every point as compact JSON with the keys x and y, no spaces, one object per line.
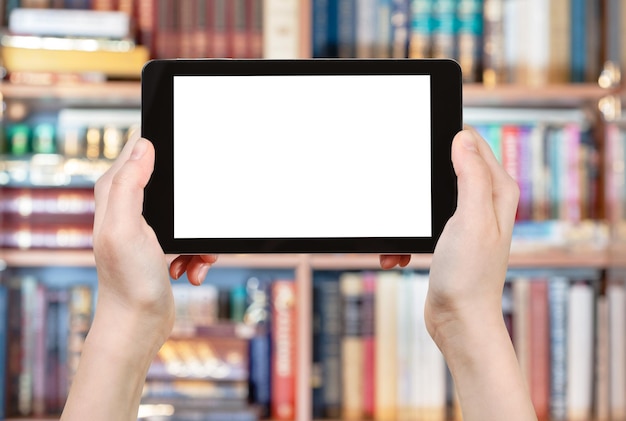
{"x":300,"y":156}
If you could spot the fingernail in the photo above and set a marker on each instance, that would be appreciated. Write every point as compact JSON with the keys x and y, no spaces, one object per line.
{"x":202,"y":272}
{"x":139,"y":149}
{"x":469,"y":141}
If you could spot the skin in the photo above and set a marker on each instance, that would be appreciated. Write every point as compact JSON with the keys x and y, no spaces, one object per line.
{"x":135,"y":309}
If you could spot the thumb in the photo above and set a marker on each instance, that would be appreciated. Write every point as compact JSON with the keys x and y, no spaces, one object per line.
{"x":474,"y":182}
{"x":126,"y":194}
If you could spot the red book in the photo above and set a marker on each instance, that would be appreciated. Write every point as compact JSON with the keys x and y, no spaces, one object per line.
{"x":283,"y":371}
{"x":539,"y":381}
{"x":254,"y":12}
{"x":238,"y":28}
{"x":218,"y":23}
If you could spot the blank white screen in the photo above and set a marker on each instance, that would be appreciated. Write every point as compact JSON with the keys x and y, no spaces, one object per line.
{"x":302,"y":156}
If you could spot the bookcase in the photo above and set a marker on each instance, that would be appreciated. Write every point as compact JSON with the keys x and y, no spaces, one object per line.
{"x":577,"y":258}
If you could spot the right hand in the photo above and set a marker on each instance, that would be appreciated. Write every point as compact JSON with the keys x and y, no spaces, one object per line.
{"x":470,"y":261}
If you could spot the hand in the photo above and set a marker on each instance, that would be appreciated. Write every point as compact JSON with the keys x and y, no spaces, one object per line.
{"x":132,"y":268}
{"x":470,"y":261}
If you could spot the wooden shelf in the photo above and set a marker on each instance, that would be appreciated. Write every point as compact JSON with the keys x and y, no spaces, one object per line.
{"x":108,"y":93}
{"x":540,"y":259}
{"x":569,"y":95}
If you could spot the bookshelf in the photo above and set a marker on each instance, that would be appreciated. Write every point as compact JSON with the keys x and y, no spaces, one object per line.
{"x":586,"y":256}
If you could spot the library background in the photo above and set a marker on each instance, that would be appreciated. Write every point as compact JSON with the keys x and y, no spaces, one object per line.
{"x":298,"y":337}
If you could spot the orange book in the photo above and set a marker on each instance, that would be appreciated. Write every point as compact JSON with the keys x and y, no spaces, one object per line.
{"x":284,"y":350}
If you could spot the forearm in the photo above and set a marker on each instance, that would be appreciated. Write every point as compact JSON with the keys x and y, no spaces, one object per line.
{"x":114,"y":362}
{"x":487,"y":376}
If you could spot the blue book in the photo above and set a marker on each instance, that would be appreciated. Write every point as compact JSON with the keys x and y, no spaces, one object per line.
{"x":444,"y":28}
{"x":578,"y":47}
{"x":346,"y":32}
{"x":331,"y":324}
{"x":421,"y":24}
{"x":558,"y":288}
{"x":470,"y":38}
{"x":400,"y":28}
{"x":320,"y":28}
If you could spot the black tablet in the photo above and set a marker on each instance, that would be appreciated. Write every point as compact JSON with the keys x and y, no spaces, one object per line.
{"x":300,"y":156}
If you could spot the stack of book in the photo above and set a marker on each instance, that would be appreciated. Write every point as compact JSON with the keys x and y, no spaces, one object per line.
{"x":54,"y":44}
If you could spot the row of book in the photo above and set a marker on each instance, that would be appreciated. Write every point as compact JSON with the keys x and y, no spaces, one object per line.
{"x":556,"y":162}
{"x":59,"y":218}
{"x":373,"y":357}
{"x":74,"y":133}
{"x":41,"y":337}
{"x":233,"y":348}
{"x":570,"y":42}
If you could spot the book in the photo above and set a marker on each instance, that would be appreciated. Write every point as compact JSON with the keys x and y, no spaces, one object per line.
{"x":4,"y":336}
{"x":493,"y":56}
{"x":284,"y":350}
{"x":602,"y":368}
{"x":366,"y":27}
{"x":444,"y":33}
{"x":400,"y":28}
{"x":421,"y":29}
{"x":539,"y":374}
{"x":470,"y":38}
{"x":558,"y":292}
{"x":80,"y":312}
{"x":70,"y":23}
{"x":116,"y":59}
{"x":616,"y":297}
{"x":383,"y":29}
{"x":281,"y":29}
{"x":386,"y":345}
{"x":368,"y":333}
{"x":559,"y":42}
{"x":580,"y":352}
{"x":352,"y":349}
{"x":321,"y":27}
{"x":330,"y":344}
{"x":347,"y":28}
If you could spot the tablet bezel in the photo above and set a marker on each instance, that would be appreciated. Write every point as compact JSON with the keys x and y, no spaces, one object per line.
{"x":157,"y":98}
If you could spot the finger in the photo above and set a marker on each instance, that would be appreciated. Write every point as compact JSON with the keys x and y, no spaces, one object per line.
{"x":474,"y":180}
{"x":389,"y":261}
{"x":179,"y":265}
{"x":101,"y":189}
{"x":197,"y":269}
{"x":505,"y":189}
{"x":126,"y":192}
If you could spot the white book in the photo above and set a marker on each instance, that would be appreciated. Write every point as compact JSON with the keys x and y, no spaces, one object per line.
{"x":366,"y":28}
{"x":70,"y":23}
{"x":537,"y":41}
{"x":281,"y":29}
{"x":385,"y":303}
{"x":617,"y":350}
{"x":580,"y":344}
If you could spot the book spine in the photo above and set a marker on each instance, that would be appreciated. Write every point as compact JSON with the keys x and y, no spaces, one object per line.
{"x":580,"y":339}
{"x":185,"y":28}
{"x":559,"y":42}
{"x":239,"y":28}
{"x":386,"y":342}
{"x":421,"y":29}
{"x":368,"y":315}
{"x":39,"y":354}
{"x":200,"y":30}
{"x":260,"y":347}
{"x":407,"y":355}
{"x":601,"y":398}
{"x":331,"y":331}
{"x":578,"y":59}
{"x":572,"y":201}
{"x":317,"y":372}
{"x":28,"y":341}
{"x":255,"y":28}
{"x":444,"y":29}
{"x":281,"y":26}
{"x":400,"y":27}
{"x":283,"y":406}
{"x":383,"y":29}
{"x":320,"y":28}
{"x":525,"y":181}
{"x":366,"y":29}
{"x":469,"y":38}
{"x":616,"y":296}
{"x":558,"y":288}
{"x":351,"y":287}
{"x":347,"y":28}
{"x":539,"y":348}
{"x":14,"y":349}
{"x":493,"y":43}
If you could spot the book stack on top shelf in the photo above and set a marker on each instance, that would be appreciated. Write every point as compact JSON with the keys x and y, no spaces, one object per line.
{"x":44,"y":46}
